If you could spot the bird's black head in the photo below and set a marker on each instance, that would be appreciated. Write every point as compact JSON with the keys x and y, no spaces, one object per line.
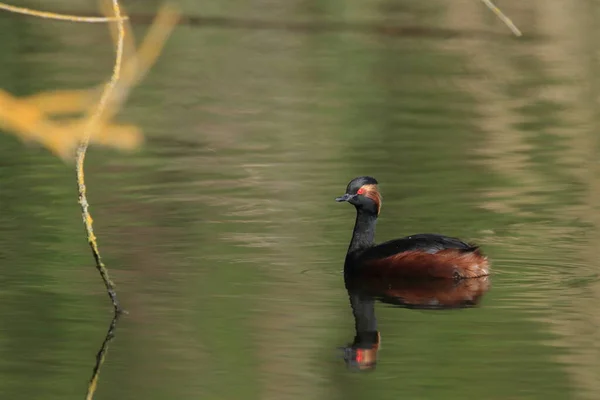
{"x":363,"y":193}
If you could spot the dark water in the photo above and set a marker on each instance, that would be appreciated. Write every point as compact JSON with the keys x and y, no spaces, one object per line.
{"x":222,"y":234}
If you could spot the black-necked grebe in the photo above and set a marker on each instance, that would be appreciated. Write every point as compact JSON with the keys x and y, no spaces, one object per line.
{"x":420,"y":256}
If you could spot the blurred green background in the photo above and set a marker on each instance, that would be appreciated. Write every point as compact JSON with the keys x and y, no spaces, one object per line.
{"x":222,"y":235}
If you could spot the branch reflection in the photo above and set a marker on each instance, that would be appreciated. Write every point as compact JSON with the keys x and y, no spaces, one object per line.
{"x":110,"y":334}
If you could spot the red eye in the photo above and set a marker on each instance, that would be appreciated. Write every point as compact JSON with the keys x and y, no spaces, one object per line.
{"x":361,"y":191}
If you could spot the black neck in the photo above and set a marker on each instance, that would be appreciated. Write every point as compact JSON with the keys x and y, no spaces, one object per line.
{"x":364,"y":231}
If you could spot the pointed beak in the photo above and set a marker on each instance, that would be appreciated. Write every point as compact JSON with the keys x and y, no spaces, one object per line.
{"x":345,"y":197}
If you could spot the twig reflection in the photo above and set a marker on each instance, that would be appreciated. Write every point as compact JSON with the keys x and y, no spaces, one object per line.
{"x":110,"y":334}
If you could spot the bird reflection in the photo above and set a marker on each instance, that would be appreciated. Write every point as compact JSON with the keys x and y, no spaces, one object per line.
{"x":110,"y":335}
{"x":440,"y":294}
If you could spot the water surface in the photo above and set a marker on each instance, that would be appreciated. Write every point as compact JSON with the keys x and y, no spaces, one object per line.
{"x":222,"y":234}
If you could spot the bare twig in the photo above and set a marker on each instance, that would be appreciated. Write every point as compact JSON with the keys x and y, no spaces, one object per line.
{"x":50,"y":15}
{"x":93,"y":122}
{"x":29,"y":117}
{"x":503,"y":17}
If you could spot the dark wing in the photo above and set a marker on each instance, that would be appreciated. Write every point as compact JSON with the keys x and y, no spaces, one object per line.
{"x":427,"y":242}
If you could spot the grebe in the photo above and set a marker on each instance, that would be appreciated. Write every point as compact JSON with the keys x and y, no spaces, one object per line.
{"x":421,"y":256}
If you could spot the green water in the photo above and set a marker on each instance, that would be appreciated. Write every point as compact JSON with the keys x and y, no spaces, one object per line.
{"x":222,"y":235}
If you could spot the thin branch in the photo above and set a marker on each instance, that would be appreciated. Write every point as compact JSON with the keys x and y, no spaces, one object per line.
{"x":92,"y":125}
{"x":503,"y":17}
{"x":60,"y":17}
